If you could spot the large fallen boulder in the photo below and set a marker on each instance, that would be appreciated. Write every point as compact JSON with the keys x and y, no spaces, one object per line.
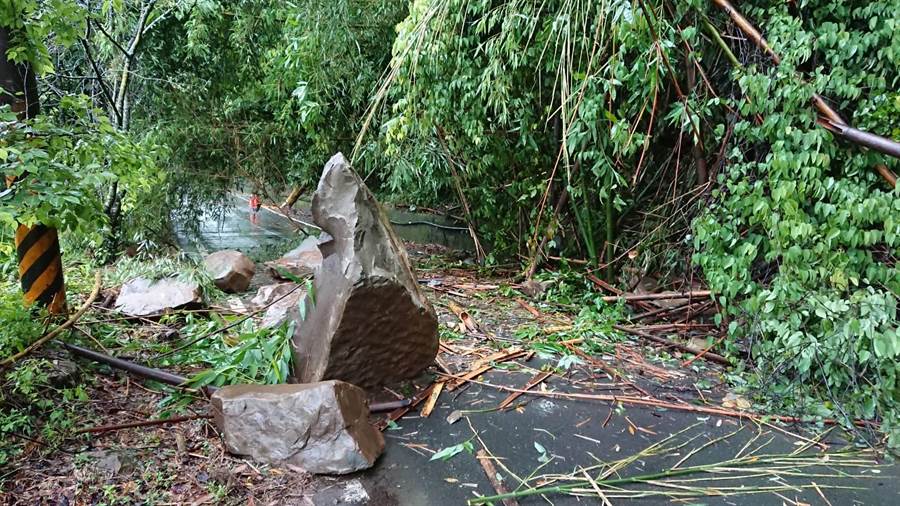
{"x":368,"y":323}
{"x":142,"y":297}
{"x":280,"y":301}
{"x":321,"y":427}
{"x":230,"y":270}
{"x":300,"y":262}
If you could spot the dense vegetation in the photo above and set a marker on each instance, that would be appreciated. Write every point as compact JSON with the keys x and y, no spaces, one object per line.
{"x":640,"y":137}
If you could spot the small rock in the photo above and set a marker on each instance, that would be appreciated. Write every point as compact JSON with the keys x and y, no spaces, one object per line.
{"x":62,"y":372}
{"x":343,"y":494}
{"x":231,"y":270}
{"x":142,"y":297}
{"x":370,"y":324}
{"x":321,"y":427}
{"x":301,"y":261}
{"x":284,"y":299}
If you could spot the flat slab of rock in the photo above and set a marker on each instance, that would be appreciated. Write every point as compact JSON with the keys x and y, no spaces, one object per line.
{"x":282,"y":300}
{"x":230,"y":270}
{"x":142,"y":297}
{"x":321,"y":427}
{"x":369,"y":324}
{"x":300,"y":262}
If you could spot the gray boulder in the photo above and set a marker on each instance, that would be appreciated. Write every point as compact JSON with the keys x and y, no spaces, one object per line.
{"x":230,"y":270}
{"x":301,"y":261}
{"x":142,"y":297}
{"x":282,"y":300}
{"x":320,"y":427}
{"x":368,"y":323}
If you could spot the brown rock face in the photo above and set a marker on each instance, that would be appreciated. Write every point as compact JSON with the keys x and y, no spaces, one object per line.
{"x":321,"y":427}
{"x":367,"y":323}
{"x":231,"y":270}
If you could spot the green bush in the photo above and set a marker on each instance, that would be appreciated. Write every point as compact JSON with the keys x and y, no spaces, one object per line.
{"x":801,"y":238}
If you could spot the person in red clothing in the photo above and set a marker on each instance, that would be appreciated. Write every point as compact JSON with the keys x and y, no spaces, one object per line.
{"x":254,"y":207}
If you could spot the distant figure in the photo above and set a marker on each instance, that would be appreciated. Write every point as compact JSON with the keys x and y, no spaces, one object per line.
{"x":254,"y":208}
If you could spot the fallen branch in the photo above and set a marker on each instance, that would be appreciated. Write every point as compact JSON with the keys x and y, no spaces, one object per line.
{"x":487,"y":464}
{"x":142,"y":423}
{"x":533,"y":382}
{"x":59,"y":330}
{"x":227,"y":327}
{"x":658,"y":296}
{"x":712,"y":357}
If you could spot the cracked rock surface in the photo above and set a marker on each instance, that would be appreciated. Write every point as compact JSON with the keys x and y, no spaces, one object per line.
{"x":367,"y":322}
{"x":321,"y":427}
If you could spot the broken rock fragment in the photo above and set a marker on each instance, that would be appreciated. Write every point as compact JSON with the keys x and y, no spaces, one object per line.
{"x":281,"y":302}
{"x":142,"y":297}
{"x":300,"y":262}
{"x":321,"y":427}
{"x":368,"y":323}
{"x":230,"y":270}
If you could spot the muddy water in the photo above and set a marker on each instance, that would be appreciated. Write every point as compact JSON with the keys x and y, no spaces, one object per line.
{"x":270,"y":233}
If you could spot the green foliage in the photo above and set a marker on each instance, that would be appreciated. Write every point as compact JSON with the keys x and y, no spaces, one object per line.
{"x":62,"y":161}
{"x":801,"y":238}
{"x":263,"y":92}
{"x":252,"y":355}
{"x":35,"y":24}
{"x":524,"y":93}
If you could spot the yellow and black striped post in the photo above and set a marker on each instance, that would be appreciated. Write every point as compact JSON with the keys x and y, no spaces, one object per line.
{"x":40,"y":267}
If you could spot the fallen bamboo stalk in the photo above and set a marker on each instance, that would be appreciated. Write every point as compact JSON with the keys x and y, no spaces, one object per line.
{"x":658,"y":296}
{"x":833,"y":120}
{"x":533,"y":382}
{"x":59,"y":330}
{"x":652,"y":402}
{"x":432,"y":399}
{"x":142,"y":423}
{"x":488,"y":466}
{"x":712,"y":357}
{"x":399,"y":412}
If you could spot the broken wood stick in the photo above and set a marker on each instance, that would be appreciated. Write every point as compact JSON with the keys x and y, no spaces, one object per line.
{"x":527,"y":307}
{"x":658,"y":296}
{"x":59,"y":330}
{"x":615,"y":291}
{"x":533,"y":382}
{"x":399,"y":412}
{"x":488,"y":466}
{"x":712,"y":357}
{"x":484,"y":365}
{"x":432,"y":399}
{"x":142,"y":423}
